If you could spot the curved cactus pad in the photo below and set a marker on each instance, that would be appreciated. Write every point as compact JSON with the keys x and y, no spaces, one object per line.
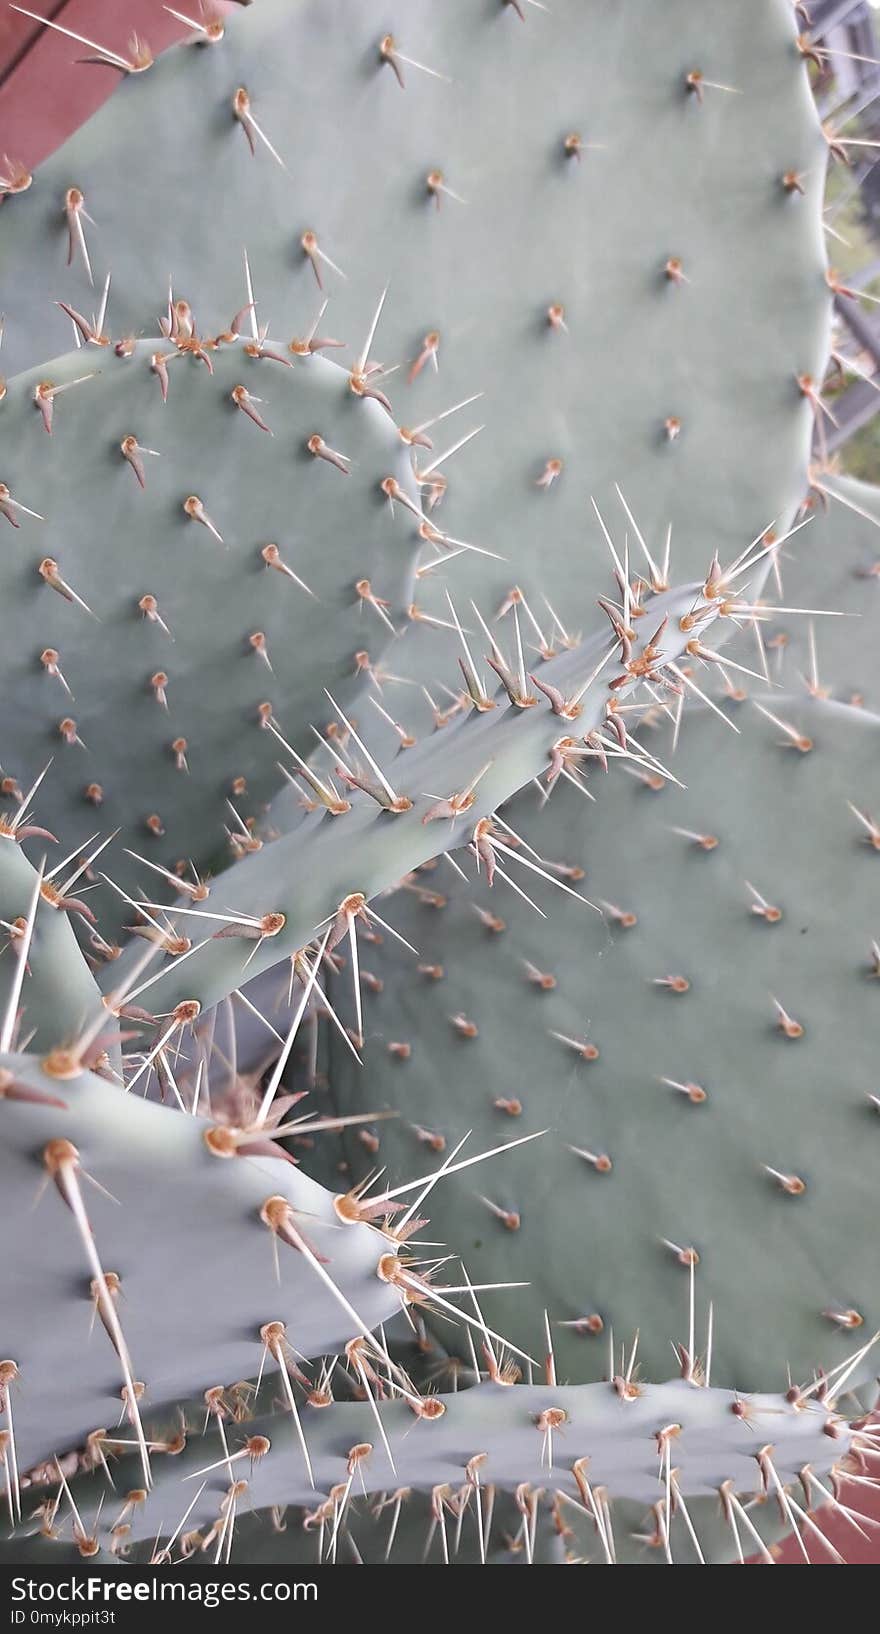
{"x":437,"y":795}
{"x":584,"y":1447}
{"x":142,"y":1266}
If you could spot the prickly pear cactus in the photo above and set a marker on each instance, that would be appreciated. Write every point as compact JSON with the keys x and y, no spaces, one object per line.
{"x":307,"y":672}
{"x":698,"y":1045}
{"x":73,"y":1127}
{"x":529,"y":181}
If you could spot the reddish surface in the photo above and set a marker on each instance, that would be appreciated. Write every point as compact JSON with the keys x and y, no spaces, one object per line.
{"x":856,"y":1550}
{"x":44,"y":96}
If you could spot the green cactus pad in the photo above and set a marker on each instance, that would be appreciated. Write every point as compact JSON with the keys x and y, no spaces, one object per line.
{"x":763,"y":1153}
{"x":587,"y":204}
{"x":188,"y":633}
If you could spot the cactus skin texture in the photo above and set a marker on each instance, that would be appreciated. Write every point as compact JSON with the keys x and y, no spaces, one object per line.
{"x":665,"y":222}
{"x":682,"y":1107}
{"x":189,"y":633}
{"x":166,"y":1211}
{"x":602,"y":1441}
